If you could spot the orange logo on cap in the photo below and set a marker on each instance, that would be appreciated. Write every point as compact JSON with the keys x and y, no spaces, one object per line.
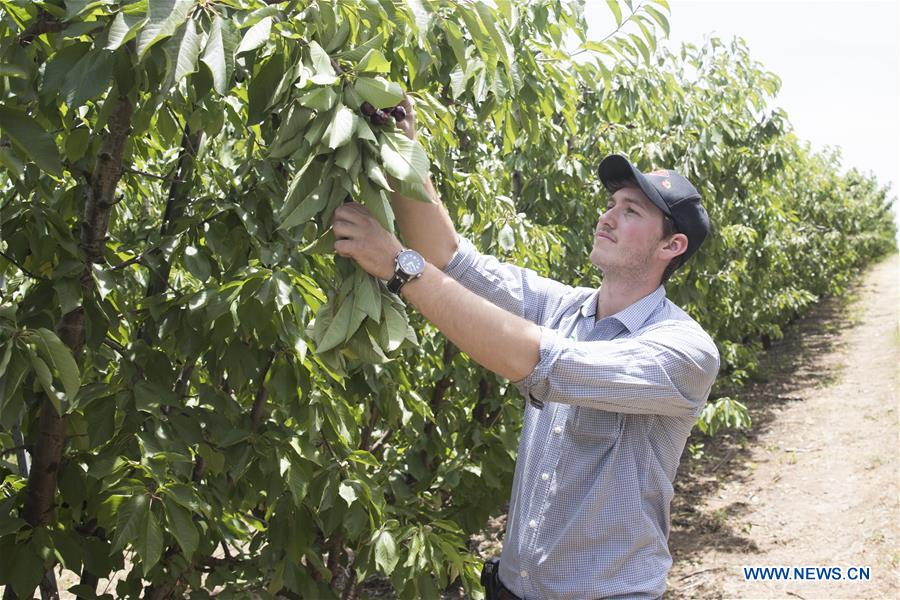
{"x":667,"y":184}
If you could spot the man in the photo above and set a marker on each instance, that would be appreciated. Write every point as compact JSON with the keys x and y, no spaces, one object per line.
{"x":615,"y":376}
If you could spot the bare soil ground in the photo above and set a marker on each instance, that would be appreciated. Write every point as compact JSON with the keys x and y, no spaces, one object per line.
{"x":814,"y":482}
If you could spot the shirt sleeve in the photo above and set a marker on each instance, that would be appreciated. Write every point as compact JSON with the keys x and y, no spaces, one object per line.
{"x":516,"y":289}
{"x":667,"y":370}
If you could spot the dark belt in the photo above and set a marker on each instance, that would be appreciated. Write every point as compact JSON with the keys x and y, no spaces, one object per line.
{"x":493,"y":587}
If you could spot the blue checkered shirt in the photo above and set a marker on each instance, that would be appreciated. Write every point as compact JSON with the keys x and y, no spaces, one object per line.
{"x":611,"y":404}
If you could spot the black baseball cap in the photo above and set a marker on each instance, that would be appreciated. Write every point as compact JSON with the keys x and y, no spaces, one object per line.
{"x":669,"y":191}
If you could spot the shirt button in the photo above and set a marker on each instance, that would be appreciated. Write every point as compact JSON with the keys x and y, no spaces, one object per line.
{"x":532,"y":523}
{"x":545,"y":476}
{"x":523,"y":573}
{"x":557,"y":430}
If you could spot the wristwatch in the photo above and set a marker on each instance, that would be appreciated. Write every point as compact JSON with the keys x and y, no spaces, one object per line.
{"x":408,"y":264}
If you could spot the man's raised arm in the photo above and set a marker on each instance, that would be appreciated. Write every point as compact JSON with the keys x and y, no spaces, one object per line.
{"x":424,"y":227}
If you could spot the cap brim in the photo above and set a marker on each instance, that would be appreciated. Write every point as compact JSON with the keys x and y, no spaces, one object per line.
{"x":616,"y":167}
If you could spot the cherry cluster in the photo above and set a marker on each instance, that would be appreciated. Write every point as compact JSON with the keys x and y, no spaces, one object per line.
{"x":379,"y":116}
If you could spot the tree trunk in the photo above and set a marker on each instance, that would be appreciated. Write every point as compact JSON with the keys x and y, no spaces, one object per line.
{"x":39,"y":504}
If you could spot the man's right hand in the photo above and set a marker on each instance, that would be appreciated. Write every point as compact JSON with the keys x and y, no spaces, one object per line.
{"x":424,"y":226}
{"x":408,"y":125}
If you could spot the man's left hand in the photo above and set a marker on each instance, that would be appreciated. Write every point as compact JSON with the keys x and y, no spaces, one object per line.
{"x":358,"y":235}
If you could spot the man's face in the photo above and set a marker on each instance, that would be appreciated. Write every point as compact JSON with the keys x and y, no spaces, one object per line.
{"x":628,"y":235}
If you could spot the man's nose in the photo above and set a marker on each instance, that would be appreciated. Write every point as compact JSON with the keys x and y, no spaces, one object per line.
{"x":606,"y":218}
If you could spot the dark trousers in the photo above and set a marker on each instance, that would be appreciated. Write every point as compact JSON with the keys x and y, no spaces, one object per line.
{"x":493,"y":587}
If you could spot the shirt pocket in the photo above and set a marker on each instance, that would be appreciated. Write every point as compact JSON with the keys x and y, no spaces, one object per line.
{"x":597,"y":426}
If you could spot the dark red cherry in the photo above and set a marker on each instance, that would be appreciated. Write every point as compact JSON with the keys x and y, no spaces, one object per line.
{"x":379,"y":117}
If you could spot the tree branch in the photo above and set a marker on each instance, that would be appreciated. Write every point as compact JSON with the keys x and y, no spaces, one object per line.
{"x":261,"y":394}
{"x":21,"y":268}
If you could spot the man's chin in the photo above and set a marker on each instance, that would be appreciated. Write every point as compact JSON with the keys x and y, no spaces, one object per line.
{"x":598,"y":260}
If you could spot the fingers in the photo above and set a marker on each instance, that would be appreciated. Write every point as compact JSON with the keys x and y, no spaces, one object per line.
{"x":350,"y":211}
{"x":344,"y":230}
{"x":343,"y":247}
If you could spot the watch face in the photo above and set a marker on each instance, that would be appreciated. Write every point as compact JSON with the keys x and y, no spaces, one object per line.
{"x":411,"y":262}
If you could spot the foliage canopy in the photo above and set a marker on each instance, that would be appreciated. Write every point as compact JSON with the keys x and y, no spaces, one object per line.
{"x":203,"y":389}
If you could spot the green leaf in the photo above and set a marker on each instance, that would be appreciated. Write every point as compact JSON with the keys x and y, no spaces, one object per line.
{"x":386,"y":555}
{"x":7,"y":356}
{"x":123,"y":28}
{"x":188,"y":53}
{"x":299,"y":475}
{"x":60,"y":358}
{"x":373,"y":170}
{"x":323,"y":71}
{"x":32,"y":139}
{"x":149,"y":544}
{"x":309,"y":207}
{"x":25,"y":567}
{"x":641,"y":46}
{"x":364,"y":457}
{"x":15,"y":373}
{"x":341,"y":129}
{"x":382,"y":210}
{"x":181,"y":526}
{"x":76,"y":7}
{"x":500,"y":42}
{"x":131,"y":520}
{"x":404,"y":158}
{"x":89,"y":78}
{"x":262,"y":86}
{"x":395,"y":326}
{"x":374,"y":62}
{"x":12,"y":162}
{"x":357,"y":53}
{"x":45,"y":378}
{"x":163,"y":19}
{"x":289,"y":138}
{"x":68,"y":291}
{"x":14,"y":71}
{"x":304,"y":181}
{"x":197,"y":263}
{"x":320,"y":98}
{"x":659,"y":17}
{"x":616,"y":10}
{"x":347,"y":492}
{"x":378,"y":91}
{"x":367,"y":296}
{"x":347,"y":157}
{"x":218,"y":54}
{"x":338,"y":328}
{"x":256,"y":36}
{"x":77,"y":142}
{"x":455,"y":37}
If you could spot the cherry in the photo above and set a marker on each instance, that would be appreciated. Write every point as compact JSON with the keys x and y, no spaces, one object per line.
{"x":399,"y":113}
{"x":379,"y":117}
{"x":367,"y":109}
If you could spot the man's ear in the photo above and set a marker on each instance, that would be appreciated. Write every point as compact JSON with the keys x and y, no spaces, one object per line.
{"x":674,"y":246}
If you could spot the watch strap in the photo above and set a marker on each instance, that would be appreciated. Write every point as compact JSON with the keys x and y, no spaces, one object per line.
{"x":396,"y":283}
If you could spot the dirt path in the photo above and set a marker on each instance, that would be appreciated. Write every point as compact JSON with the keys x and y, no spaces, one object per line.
{"x":815,"y":483}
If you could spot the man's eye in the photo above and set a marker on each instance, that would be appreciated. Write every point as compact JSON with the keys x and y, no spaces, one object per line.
{"x":631,"y":210}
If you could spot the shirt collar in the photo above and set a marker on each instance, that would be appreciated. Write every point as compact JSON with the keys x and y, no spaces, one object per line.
{"x":632,"y":316}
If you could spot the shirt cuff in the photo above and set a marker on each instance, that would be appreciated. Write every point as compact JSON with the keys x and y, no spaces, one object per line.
{"x":463,"y":258}
{"x":536,"y":386}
